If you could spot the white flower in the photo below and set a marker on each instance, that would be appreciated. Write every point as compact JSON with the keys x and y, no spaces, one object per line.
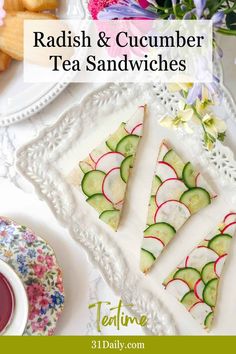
{"x":213,"y":125}
{"x":175,"y":87}
{"x":181,"y":120}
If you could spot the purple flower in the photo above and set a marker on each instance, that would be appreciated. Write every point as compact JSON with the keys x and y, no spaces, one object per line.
{"x":200,"y":6}
{"x":196,"y":91}
{"x":218,"y":18}
{"x":126,"y":9}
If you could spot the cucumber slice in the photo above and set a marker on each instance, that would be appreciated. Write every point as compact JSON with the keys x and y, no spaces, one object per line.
{"x":155,"y":185}
{"x":152,"y":208}
{"x":220,"y":244}
{"x":146,"y":260}
{"x":189,"y":275}
{"x":208,"y":272}
{"x":92,"y":183}
{"x":128,"y":145}
{"x":114,"y":139}
{"x":111,"y":218}
{"x":210,"y":292}
{"x":125,"y":167}
{"x":209,"y":320}
{"x":196,"y":199}
{"x":175,"y":161}
{"x":189,"y":175}
{"x":100,"y":203}
{"x":85,"y":166}
{"x":163,"y":231}
{"x":189,"y":300}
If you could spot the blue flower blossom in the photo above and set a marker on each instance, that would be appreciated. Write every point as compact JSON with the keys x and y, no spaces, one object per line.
{"x":31,"y":253}
{"x":57,"y":299}
{"x":21,"y":259}
{"x":200,"y":6}
{"x":23,"y":269}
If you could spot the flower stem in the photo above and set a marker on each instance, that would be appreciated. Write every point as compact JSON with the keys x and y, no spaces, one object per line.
{"x":226,"y":31}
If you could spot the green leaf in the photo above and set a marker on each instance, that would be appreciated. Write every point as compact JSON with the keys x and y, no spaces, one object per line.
{"x":221,"y":136}
{"x":231,"y":20}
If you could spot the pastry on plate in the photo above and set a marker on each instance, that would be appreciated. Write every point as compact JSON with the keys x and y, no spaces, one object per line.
{"x":104,"y":174}
{"x":196,"y":280}
{"x":178,"y":191}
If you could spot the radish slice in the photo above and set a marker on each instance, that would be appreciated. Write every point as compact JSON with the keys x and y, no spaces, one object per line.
{"x":199,"y":257}
{"x":230,"y":218}
{"x":135,"y":121}
{"x":165,"y":171}
{"x":138,"y":130}
{"x":172,"y":212}
{"x":99,"y":152}
{"x":113,"y":186}
{"x":153,"y":245}
{"x":171,"y":189}
{"x":202,"y":183}
{"x":198,"y":289}
{"x":229,"y":229}
{"x":219,"y":263}
{"x":199,"y":311}
{"x":178,"y":288}
{"x":109,"y":161}
{"x":163,"y":151}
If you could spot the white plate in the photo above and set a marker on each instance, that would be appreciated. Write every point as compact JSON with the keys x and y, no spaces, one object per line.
{"x":20,"y":316}
{"x":48,"y":159}
{"x":19,"y":100}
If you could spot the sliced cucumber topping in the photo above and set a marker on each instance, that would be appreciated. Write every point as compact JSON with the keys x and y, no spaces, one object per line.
{"x":155,"y":185}
{"x":146,"y":261}
{"x":100,"y":203}
{"x":189,"y":175}
{"x":92,"y":183}
{"x":152,"y":208}
{"x":196,"y":199}
{"x":210,"y":292}
{"x":209,"y":320}
{"x":189,"y":300}
{"x":111,"y":218}
{"x":163,"y":231}
{"x":116,"y":137}
{"x":175,"y":161}
{"x":208,"y":272}
{"x":189,"y":275}
{"x":125,"y":167}
{"x":128,"y":145}
{"x":220,"y":244}
{"x":85,"y":166}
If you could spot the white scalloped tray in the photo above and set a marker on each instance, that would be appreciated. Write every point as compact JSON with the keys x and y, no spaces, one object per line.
{"x":47,"y":160}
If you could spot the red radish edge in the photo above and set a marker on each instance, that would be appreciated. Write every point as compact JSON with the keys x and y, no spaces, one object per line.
{"x":168,"y":201}
{"x":196,"y":303}
{"x":228,"y":216}
{"x":167,"y":164}
{"x":177,"y":279}
{"x":226,"y":227}
{"x":186,"y":261}
{"x":137,"y":126}
{"x":117,"y":168}
{"x":107,"y":153}
{"x":195,"y":289}
{"x":218,"y":259}
{"x":169,"y":179}
{"x":155,"y":238}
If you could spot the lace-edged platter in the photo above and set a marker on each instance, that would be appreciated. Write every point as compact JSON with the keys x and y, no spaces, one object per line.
{"x":47,"y":161}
